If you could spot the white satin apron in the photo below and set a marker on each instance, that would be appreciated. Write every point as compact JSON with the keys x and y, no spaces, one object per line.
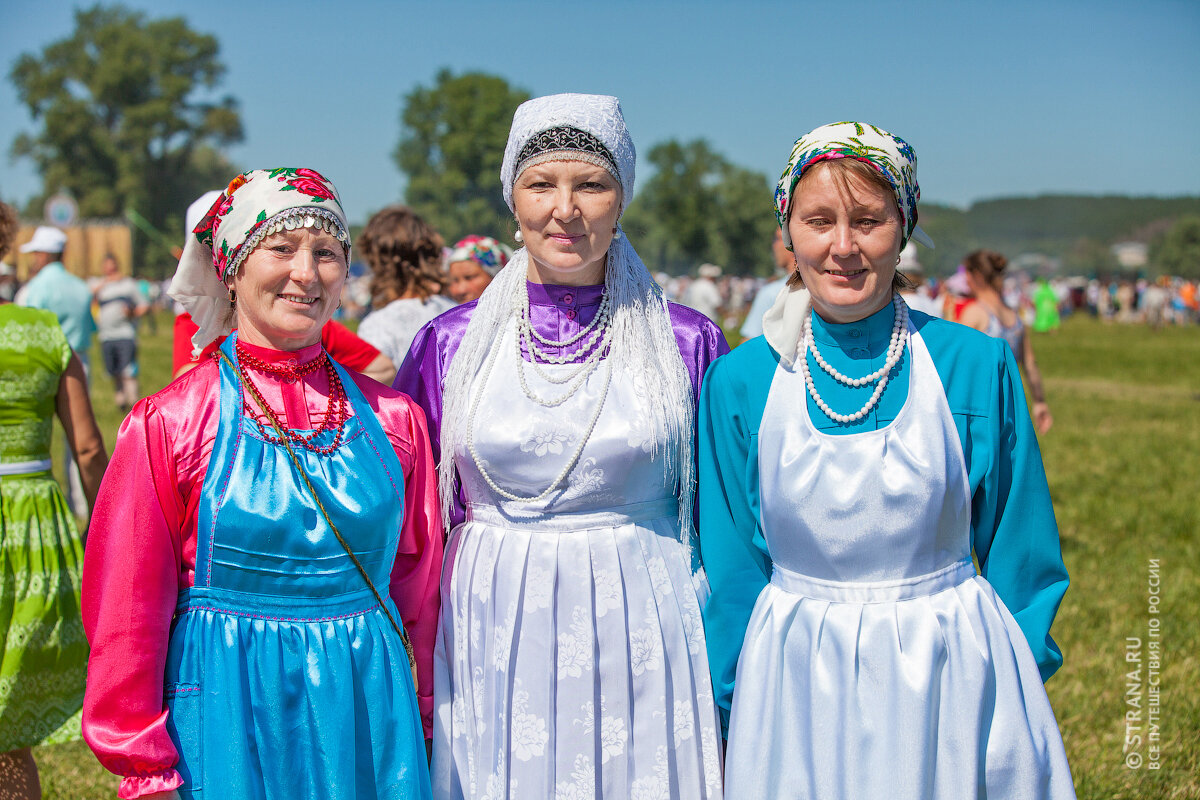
{"x":571,"y":660}
{"x":877,"y":663}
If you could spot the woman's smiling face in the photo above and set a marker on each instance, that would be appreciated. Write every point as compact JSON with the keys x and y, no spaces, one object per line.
{"x":567,"y":211}
{"x":846,"y":237}
{"x":289,"y":287}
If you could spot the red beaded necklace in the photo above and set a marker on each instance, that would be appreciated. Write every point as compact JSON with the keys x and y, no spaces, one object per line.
{"x":336,"y":412}
{"x":289,"y":371}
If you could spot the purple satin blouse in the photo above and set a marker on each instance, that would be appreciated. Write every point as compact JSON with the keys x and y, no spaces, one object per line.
{"x":557,"y":312}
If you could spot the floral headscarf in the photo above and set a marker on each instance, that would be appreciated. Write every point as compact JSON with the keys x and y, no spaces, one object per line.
{"x":889,"y":154}
{"x":255,"y":205}
{"x":485,"y":251}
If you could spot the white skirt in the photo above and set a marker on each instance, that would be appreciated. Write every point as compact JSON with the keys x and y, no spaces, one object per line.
{"x":571,"y":661}
{"x":919,"y":688}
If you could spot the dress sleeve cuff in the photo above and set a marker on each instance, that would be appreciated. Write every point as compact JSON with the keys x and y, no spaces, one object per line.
{"x":134,"y":786}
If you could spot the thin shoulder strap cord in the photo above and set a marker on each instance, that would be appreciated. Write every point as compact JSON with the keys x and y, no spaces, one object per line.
{"x":408,"y":647}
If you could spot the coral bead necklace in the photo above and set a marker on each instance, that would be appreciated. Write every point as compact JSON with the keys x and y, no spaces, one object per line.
{"x":336,"y":412}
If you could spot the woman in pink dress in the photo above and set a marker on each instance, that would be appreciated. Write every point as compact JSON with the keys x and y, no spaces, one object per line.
{"x":261,"y":580}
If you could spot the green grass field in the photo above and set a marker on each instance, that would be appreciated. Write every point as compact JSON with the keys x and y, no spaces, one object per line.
{"x":1123,"y":460}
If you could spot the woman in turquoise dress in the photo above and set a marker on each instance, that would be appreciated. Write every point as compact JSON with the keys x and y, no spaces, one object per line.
{"x":43,"y":652}
{"x":852,"y":460}
{"x":261,"y":583}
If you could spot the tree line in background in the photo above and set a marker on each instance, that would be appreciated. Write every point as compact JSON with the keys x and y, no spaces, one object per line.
{"x":122,"y":125}
{"x":695,"y":207}
{"x":130,"y":124}
{"x":1077,"y":232}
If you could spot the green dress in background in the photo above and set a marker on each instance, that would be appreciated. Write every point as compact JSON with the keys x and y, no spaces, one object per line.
{"x":43,"y":652}
{"x":1045,"y":307}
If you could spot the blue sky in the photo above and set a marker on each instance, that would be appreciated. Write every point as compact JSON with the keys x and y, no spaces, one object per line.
{"x":998,"y":99}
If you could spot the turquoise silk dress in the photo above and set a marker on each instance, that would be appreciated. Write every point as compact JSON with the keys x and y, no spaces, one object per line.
{"x":284,"y":677}
{"x":855,"y":650}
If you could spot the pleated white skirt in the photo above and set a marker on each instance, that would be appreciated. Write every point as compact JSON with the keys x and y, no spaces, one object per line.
{"x":918,"y":688}
{"x":571,"y":661}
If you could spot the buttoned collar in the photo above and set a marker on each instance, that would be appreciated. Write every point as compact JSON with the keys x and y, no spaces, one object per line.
{"x":867,"y":333}
{"x":549,"y":294}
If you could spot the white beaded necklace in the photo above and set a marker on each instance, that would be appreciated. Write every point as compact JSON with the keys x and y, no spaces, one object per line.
{"x":894,"y":353}
{"x":599,"y":341}
{"x":595,"y":348}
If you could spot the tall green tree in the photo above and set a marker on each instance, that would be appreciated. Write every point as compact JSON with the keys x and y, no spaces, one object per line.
{"x":745,"y":222}
{"x":451,"y":146}
{"x":1178,"y":252}
{"x":699,"y":207}
{"x":127,"y":119}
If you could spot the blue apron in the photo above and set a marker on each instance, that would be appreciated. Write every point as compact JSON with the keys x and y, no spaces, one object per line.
{"x":284,"y":678}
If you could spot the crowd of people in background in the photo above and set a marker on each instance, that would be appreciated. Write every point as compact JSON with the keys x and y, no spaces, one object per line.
{"x":1152,"y":301}
{"x":736,"y":302}
{"x":451,"y":443}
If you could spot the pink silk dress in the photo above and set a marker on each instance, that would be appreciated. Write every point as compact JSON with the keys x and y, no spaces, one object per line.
{"x":141,"y":552}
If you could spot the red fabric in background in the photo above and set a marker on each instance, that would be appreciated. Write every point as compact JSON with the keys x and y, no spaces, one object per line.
{"x":340,"y":342}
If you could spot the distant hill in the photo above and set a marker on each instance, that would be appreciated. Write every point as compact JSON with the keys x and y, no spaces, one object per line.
{"x":1076,"y":230}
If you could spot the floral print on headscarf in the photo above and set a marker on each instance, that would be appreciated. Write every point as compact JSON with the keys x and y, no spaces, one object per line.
{"x":485,"y":251}
{"x":252,"y":200}
{"x":253,"y":206}
{"x":887,"y":153}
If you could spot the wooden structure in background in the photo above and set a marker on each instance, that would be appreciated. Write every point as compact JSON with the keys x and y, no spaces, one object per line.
{"x":88,"y":241}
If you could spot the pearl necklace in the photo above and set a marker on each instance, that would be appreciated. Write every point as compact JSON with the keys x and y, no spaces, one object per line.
{"x":895,"y":352}
{"x":595,"y":347}
{"x":566,"y":470}
{"x":600,"y":330}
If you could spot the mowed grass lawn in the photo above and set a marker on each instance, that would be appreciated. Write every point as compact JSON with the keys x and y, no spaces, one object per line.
{"x":1123,"y":461}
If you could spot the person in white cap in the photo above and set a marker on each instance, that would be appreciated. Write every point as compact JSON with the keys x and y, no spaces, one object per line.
{"x":785,"y":265}
{"x":703,"y":295}
{"x":55,"y":289}
{"x":916,"y":295}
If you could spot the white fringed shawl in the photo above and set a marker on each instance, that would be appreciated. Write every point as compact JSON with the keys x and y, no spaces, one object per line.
{"x":643,"y":345}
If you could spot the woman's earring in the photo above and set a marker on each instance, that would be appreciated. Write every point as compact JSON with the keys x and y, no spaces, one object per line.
{"x":232,"y":299}
{"x":616,"y":233}
{"x":897,"y":261}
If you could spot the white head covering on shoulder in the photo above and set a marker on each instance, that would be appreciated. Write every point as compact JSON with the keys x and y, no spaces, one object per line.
{"x":589,"y":128}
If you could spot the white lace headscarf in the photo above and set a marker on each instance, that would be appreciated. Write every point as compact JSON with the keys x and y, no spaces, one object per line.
{"x":643,"y":341}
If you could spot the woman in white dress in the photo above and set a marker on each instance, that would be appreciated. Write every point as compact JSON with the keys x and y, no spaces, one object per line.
{"x":571,"y":661}
{"x":851,"y":460}
{"x":404,"y":253}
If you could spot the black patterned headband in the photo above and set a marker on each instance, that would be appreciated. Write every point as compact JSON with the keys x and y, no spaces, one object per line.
{"x":566,"y":143}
